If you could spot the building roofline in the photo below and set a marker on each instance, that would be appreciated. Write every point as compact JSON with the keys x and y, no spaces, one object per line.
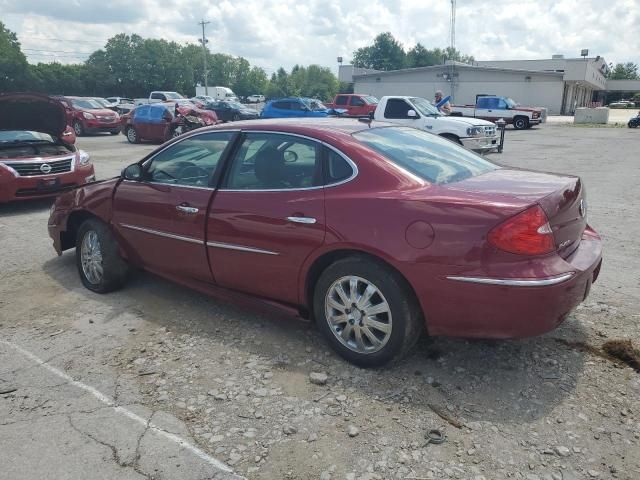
{"x":457,"y":65}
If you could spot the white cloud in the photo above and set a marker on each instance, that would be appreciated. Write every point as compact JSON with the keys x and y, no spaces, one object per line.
{"x":274,"y":33}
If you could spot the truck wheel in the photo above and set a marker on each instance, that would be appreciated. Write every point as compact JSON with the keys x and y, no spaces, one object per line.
{"x":520,"y":123}
{"x":100,"y":265}
{"x":366,"y":311}
{"x":452,"y":137}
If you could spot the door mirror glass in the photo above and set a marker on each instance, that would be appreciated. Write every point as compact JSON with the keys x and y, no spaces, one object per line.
{"x":412,"y":114}
{"x":132,"y":172}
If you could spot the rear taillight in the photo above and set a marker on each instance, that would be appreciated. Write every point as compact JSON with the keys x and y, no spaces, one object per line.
{"x":527,"y":233}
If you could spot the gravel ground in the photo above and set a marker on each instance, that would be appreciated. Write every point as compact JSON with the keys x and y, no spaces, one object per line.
{"x":263,"y":393}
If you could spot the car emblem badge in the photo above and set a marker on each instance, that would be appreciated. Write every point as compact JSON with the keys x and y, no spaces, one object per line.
{"x":583,"y":208}
{"x":45,"y":168}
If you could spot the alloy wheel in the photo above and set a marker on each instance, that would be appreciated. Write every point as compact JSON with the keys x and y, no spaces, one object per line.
{"x":358,"y":314}
{"x":91,"y":257}
{"x":131,"y":135}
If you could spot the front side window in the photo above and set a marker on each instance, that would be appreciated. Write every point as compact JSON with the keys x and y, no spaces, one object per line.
{"x":397,"y":108}
{"x":190,"y":162}
{"x":267,"y":161}
{"x":357,"y":102}
{"x":430,"y":157}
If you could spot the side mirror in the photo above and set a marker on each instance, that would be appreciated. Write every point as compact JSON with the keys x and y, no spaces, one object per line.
{"x":132,"y":172}
{"x":412,"y":114}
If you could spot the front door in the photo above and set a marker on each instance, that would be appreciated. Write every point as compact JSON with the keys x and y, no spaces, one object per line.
{"x":163,"y":216}
{"x":268,"y":215}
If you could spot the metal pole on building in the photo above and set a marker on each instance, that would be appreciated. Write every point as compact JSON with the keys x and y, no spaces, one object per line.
{"x":204,"y":42}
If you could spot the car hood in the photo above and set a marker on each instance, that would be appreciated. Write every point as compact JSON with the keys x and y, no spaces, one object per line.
{"x":100,"y":111}
{"x":469,"y":122}
{"x":34,"y":112}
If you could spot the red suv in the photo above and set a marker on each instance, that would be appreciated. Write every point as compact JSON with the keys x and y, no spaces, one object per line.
{"x":86,"y":115}
{"x":37,"y":155}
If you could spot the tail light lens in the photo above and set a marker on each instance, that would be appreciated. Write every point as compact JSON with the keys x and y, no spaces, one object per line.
{"x":527,"y":233}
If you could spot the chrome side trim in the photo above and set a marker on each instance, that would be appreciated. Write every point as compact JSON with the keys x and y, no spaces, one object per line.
{"x":162,"y":234}
{"x":541,"y":282}
{"x":240,"y":248}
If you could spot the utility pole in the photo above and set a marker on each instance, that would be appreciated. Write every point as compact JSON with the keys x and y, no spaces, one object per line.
{"x":204,"y":42}
{"x":452,"y":45}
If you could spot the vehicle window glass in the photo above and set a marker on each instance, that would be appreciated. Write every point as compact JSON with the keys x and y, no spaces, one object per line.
{"x":502,"y":104}
{"x":338,"y":168}
{"x":295,"y":105}
{"x":425,"y":155}
{"x":396,"y":108}
{"x":281,"y":105}
{"x":267,"y":161}
{"x":357,"y":102}
{"x":191,"y":161}
{"x":85,"y":103}
{"x":157,"y":96}
{"x":341,"y":100}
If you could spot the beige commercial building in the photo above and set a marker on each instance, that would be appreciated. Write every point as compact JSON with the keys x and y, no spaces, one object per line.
{"x":558,"y":84}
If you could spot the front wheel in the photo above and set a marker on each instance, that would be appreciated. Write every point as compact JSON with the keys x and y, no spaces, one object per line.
{"x":520,"y":123}
{"x":366,"y":311}
{"x":132,"y":135}
{"x":78,"y":128}
{"x":633,"y":124}
{"x":98,"y":259}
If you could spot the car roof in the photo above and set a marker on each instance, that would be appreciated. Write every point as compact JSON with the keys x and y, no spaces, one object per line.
{"x":312,"y":126}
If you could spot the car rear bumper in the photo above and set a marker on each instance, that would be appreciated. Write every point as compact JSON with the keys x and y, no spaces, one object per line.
{"x":481,"y":144}
{"x":14,"y":188}
{"x":472,"y":304}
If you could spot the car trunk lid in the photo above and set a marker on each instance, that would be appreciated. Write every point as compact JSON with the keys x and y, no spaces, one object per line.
{"x":562,"y":197}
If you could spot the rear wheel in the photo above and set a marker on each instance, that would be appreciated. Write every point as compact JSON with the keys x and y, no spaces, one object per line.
{"x":98,"y":259}
{"x":520,"y":123}
{"x":366,"y":311}
{"x":132,"y":135}
{"x":78,"y":128}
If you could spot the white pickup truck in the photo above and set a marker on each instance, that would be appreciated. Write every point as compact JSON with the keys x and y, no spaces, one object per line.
{"x":475,"y":134}
{"x":157,"y":97}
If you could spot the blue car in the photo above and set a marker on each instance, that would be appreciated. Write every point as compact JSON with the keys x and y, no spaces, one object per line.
{"x":297,"y":107}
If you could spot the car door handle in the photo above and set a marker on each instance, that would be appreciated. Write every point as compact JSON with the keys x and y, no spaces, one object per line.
{"x":307,"y":220}
{"x":186,"y":209}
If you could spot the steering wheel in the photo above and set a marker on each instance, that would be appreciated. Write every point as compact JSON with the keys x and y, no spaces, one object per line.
{"x":193,"y":172}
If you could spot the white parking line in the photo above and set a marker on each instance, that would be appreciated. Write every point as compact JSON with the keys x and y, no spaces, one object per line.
{"x":127,"y":413}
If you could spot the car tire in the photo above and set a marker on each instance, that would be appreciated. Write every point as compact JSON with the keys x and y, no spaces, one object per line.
{"x":521,"y":123}
{"x":132,"y":135}
{"x":98,"y":259}
{"x":392,"y":297}
{"x":78,"y":128}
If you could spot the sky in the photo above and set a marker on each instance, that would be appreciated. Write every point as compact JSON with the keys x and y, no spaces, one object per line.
{"x":274,"y":33}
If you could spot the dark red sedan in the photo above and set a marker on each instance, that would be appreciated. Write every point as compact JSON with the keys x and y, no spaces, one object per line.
{"x":373,"y":230}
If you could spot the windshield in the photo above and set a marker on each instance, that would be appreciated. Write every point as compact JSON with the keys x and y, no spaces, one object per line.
{"x":102,"y":102}
{"x":172,"y":95}
{"x":424,"y":107}
{"x":314,"y":105}
{"x":511,"y":103}
{"x":11,"y":136}
{"x":427,"y":156}
{"x":85,"y":103}
{"x":370,"y":100}
{"x":230,"y":94}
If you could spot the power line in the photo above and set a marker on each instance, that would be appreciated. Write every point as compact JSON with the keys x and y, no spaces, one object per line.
{"x":69,"y":40}
{"x":56,"y":51}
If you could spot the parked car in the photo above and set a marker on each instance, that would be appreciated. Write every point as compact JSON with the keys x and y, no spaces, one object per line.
{"x":232,"y":111}
{"x":203,"y":99}
{"x":255,"y":98}
{"x":158,"y":122}
{"x":374,"y":230}
{"x":37,"y":153}
{"x":85,"y":115}
{"x":121,"y":105}
{"x":159,"y":96}
{"x":634,"y":122}
{"x":297,"y":107}
{"x":622,"y":104}
{"x":474,"y":133}
{"x":356,"y":105}
{"x":492,"y":108}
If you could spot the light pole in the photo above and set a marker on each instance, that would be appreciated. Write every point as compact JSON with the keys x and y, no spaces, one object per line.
{"x":204,"y":42}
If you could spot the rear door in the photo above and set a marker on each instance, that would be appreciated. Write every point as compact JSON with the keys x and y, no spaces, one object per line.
{"x":268,"y":216}
{"x":163,"y":216}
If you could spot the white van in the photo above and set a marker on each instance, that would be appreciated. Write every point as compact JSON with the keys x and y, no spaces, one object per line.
{"x":219,"y":93}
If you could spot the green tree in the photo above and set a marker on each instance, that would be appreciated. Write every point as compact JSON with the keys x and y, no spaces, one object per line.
{"x":386,"y":53}
{"x":420,"y":56}
{"x":624,"y":71}
{"x":14,"y":70}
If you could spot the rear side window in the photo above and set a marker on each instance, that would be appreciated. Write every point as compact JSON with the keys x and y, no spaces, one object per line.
{"x":430,"y":157}
{"x":341,"y":100}
{"x":396,"y":108}
{"x":338,"y":169}
{"x":281,"y":105}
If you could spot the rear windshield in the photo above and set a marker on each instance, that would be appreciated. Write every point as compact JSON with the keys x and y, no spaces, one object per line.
{"x":428,"y":156}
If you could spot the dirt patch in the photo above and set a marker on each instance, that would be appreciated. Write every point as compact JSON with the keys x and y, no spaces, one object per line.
{"x":624,"y":351}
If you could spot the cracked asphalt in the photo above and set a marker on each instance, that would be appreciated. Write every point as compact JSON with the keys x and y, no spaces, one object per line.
{"x":160,"y":382}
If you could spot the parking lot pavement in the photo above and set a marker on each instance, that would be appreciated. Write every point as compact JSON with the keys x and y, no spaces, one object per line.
{"x":215,"y":382}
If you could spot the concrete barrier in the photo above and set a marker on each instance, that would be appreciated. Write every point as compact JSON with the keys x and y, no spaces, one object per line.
{"x":591,"y":115}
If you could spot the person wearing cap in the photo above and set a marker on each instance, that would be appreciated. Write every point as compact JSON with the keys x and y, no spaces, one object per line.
{"x":445,"y":107}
